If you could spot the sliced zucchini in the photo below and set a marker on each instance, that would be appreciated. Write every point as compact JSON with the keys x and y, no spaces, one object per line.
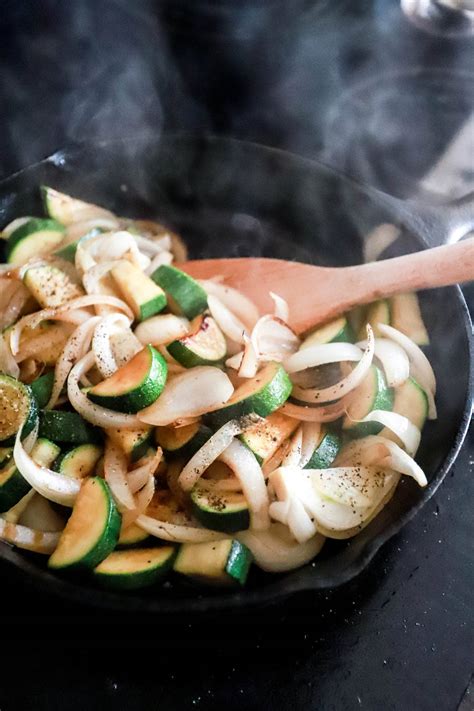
{"x":68,"y":427}
{"x":134,"y":443}
{"x":182,"y":441}
{"x":326,"y":451}
{"x":42,"y":388}
{"x":410,"y":400}
{"x":17,"y":407}
{"x":144,"y":297}
{"x":266,"y":436}
{"x":13,"y":486}
{"x":338,"y":330}
{"x":6,"y":454}
{"x":185,"y":296}
{"x":204,"y":345}
{"x":407,"y":318}
{"x":225,"y":562}
{"x":50,"y":286}
{"x":263,"y":394}
{"x":68,"y":251}
{"x":68,"y":209}
{"x":34,"y":238}
{"x":220,"y":511}
{"x":135,"y":385}
{"x":132,"y":536}
{"x":372,"y":394}
{"x":80,"y":461}
{"x":133,"y":569}
{"x":92,"y":530}
{"x":377,"y":312}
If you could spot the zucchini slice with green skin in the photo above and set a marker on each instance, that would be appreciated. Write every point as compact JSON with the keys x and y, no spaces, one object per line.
{"x":6,"y":454}
{"x":377,"y":312}
{"x":225,"y":562}
{"x":134,"y":443}
{"x":409,"y":400}
{"x":50,"y":286}
{"x":266,"y":436}
{"x":263,"y":394}
{"x":204,"y":345}
{"x":67,"y":427}
{"x":131,"y":536}
{"x":34,"y":238}
{"x":135,"y":385}
{"x":68,"y":252}
{"x":185,"y":295}
{"x":13,"y":486}
{"x":337,"y":331}
{"x":92,"y":530}
{"x":220,"y":510}
{"x":17,"y":407}
{"x":182,"y":441}
{"x":372,"y":394}
{"x":42,"y":388}
{"x":329,"y":444}
{"x":80,"y":461}
{"x":67,"y":209}
{"x":134,"y":569}
{"x":144,"y":297}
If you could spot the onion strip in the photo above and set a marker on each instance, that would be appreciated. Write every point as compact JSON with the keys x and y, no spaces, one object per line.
{"x":393,"y":358}
{"x":275,"y":551}
{"x":314,"y":356}
{"x":176,"y":533}
{"x":27,"y":538}
{"x":229,"y":324}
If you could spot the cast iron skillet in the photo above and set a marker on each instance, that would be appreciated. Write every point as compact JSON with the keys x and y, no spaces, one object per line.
{"x":229,"y":198}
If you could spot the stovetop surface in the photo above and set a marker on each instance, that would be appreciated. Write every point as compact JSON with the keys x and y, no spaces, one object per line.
{"x":360,"y":86}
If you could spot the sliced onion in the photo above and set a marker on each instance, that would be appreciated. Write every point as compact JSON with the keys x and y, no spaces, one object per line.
{"x":229,"y":324}
{"x":249,"y":362}
{"x":306,"y":413}
{"x":38,"y":343}
{"x":101,"y":342}
{"x":124,"y":346}
{"x":209,"y":452}
{"x":273,"y":339}
{"x":91,"y":412}
{"x":159,"y":330}
{"x":107,"y":247}
{"x":405,"y":430}
{"x":189,"y":394}
{"x":420,"y":366}
{"x":13,"y":297}
{"x":344,"y":386}
{"x":115,"y":473}
{"x":248,"y":471}
{"x":175,"y":533}
{"x":76,"y":346}
{"x":153,"y":246}
{"x":313,"y":356}
{"x":28,"y":538}
{"x":276,"y":460}
{"x":8,"y":363}
{"x":275,"y":551}
{"x":402,"y":463}
{"x":235,"y":361}
{"x":157,"y":261}
{"x":293,"y":455}
{"x":311,"y":436}
{"x":393,"y":358}
{"x":142,"y":501}
{"x":53,"y":486}
{"x":282,"y":310}
{"x":138,"y":477}
{"x":234,"y":300}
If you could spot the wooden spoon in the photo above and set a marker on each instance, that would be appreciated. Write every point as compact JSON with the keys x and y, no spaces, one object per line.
{"x":316,"y":294}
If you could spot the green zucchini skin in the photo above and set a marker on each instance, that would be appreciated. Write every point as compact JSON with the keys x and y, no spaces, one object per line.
{"x":326,"y":451}
{"x":67,"y":427}
{"x":225,"y":562}
{"x":186,"y":293}
{"x":215,"y":511}
{"x":42,"y":388}
{"x":13,"y":486}
{"x":158,"y":561}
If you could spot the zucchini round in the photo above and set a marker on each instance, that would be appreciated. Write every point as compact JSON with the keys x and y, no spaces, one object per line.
{"x":80,"y":461}
{"x":225,"y":562}
{"x":133,"y":569}
{"x":266,"y":436}
{"x":67,"y":427}
{"x":220,"y":511}
{"x":135,"y":385}
{"x":335,"y":331}
{"x":182,"y":441}
{"x":185,"y":295}
{"x":134,"y":443}
{"x":204,"y":345}
{"x":34,"y":238}
{"x":327,"y":450}
{"x":17,"y":407}
{"x":133,"y":535}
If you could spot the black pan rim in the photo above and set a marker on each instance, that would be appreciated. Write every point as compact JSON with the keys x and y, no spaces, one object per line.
{"x":271,"y":593}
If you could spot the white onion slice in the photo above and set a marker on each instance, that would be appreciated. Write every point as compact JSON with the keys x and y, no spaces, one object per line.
{"x":248,"y":471}
{"x":344,"y":386}
{"x":313,"y":356}
{"x":53,"y":486}
{"x":276,"y":460}
{"x":28,"y":538}
{"x":275,"y":551}
{"x":159,"y":330}
{"x":91,"y":412}
{"x":420,"y":366}
{"x":101,"y":342}
{"x":115,"y":473}
{"x":124,"y":346}
{"x":107,"y":247}
{"x":8,"y":364}
{"x":273,"y":339}
{"x":76,"y":346}
{"x":401,"y":462}
{"x":189,"y":394}
{"x":235,"y":361}
{"x":153,"y":246}
{"x":394,"y":360}
{"x":209,"y":452}
{"x":137,"y":478}
{"x":282,"y":310}
{"x":234,"y":300}
{"x":405,"y":430}
{"x":158,"y":260}
{"x":249,"y":362}
{"x":311,"y":435}
{"x":307,"y":413}
{"x":13,"y":297}
{"x":176,"y":533}
{"x":294,"y":487}
{"x":293,"y":455}
{"x":142,"y":501}
{"x":229,"y":324}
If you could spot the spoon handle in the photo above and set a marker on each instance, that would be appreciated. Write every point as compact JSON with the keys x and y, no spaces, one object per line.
{"x":438,"y":266}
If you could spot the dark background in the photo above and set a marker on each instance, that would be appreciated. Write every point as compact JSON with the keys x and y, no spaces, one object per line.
{"x":338,"y":80}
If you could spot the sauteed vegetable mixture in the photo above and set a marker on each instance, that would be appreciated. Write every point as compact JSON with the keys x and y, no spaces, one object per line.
{"x":152,"y":424}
